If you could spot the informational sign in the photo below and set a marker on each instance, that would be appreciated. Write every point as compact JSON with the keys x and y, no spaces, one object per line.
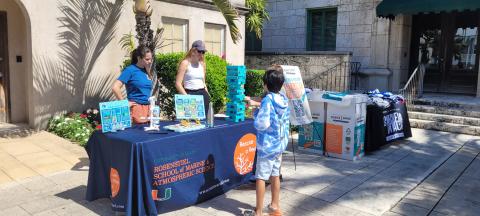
{"x":393,"y":121}
{"x":115,"y":115}
{"x":189,"y":106}
{"x":297,"y":97}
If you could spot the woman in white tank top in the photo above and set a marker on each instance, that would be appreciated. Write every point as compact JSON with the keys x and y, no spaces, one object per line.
{"x":192,"y":72}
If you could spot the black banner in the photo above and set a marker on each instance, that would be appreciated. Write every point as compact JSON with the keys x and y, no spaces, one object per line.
{"x":385,"y":125}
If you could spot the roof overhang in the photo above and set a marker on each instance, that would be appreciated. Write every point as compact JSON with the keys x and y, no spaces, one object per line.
{"x":391,"y":8}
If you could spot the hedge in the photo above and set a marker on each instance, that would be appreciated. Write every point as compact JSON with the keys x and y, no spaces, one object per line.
{"x":167,"y":65}
{"x":254,"y":83}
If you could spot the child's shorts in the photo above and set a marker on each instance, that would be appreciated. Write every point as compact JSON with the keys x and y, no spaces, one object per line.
{"x":268,"y":167}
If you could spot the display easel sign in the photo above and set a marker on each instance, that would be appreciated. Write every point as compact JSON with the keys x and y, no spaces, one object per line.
{"x":297,"y":98}
{"x":189,"y":106}
{"x":115,"y":115}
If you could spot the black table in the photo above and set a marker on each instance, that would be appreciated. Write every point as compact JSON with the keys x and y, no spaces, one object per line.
{"x":385,"y":125}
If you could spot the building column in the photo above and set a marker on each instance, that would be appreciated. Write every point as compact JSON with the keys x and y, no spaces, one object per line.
{"x":478,"y":80}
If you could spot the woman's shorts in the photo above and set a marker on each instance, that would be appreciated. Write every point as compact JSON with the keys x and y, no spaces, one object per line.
{"x":140,"y":113}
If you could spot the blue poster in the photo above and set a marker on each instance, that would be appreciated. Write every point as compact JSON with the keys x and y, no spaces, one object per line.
{"x":115,"y":115}
{"x":189,"y":107}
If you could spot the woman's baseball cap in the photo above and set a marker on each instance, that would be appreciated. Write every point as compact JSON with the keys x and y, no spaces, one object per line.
{"x":199,"y":45}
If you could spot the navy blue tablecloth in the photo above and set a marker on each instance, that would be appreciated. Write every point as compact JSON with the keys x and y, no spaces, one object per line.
{"x":148,"y":174}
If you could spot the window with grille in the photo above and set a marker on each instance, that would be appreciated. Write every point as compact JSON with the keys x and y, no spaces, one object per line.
{"x":175,"y":35}
{"x":215,"y":39}
{"x":322,"y":29}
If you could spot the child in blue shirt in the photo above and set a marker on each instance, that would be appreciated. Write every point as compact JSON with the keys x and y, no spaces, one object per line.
{"x":272,"y":124}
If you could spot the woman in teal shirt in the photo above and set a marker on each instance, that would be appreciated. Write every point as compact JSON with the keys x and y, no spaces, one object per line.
{"x":138,"y":81}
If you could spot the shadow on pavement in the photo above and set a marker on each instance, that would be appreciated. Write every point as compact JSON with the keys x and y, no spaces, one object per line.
{"x":77,"y":194}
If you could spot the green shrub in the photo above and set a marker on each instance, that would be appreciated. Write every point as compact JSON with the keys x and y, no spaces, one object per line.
{"x":254,"y":83}
{"x":72,"y":127}
{"x":167,"y":65}
{"x":217,"y":81}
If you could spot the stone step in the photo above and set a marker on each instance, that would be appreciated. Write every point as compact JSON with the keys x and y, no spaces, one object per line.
{"x":467,"y":105}
{"x":443,"y":126}
{"x":444,"y":111}
{"x":445,"y":118}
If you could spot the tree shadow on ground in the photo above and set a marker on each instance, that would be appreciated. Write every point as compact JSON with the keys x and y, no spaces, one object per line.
{"x":211,"y":194}
{"x":16,"y":131}
{"x":407,"y":163}
{"x":82,"y":165}
{"x":77,"y":194}
{"x":223,"y":203}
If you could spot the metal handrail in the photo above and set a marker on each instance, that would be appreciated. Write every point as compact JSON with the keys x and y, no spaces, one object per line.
{"x":336,"y":78}
{"x":413,"y":89}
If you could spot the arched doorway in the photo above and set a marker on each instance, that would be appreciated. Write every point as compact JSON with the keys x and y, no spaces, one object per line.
{"x":15,"y":62}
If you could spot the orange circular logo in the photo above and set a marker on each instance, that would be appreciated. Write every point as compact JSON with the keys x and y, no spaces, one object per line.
{"x":245,"y":154}
{"x":114,"y":182}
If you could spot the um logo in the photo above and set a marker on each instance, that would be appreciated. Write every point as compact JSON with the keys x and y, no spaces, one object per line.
{"x":168,"y":195}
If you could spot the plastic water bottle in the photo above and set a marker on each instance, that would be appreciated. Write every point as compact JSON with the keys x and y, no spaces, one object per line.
{"x":156,"y":116}
{"x":210,"y":115}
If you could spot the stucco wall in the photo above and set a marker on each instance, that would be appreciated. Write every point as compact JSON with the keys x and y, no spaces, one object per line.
{"x":196,"y":25}
{"x":17,"y":46}
{"x":72,"y":69}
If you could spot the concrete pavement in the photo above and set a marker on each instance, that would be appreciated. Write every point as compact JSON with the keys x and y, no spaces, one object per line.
{"x":378,"y":184}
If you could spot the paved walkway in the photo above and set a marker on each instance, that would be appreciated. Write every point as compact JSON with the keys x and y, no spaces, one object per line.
{"x":319,"y":185}
{"x":37,"y":154}
{"x":452,"y":189}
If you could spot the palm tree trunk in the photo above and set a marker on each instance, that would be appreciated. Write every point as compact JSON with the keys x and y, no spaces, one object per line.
{"x":145,"y":37}
{"x":144,"y":33}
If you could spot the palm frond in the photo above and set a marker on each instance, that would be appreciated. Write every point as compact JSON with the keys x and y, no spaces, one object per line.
{"x":231,"y":15}
{"x":257,"y":16}
{"x":128,"y":42}
{"x":158,"y":41}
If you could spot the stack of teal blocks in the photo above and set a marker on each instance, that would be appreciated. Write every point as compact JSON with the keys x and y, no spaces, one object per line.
{"x":236,"y":77}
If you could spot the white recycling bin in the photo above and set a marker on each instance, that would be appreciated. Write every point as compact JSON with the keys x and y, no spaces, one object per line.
{"x":345,"y":125}
{"x":311,"y":136}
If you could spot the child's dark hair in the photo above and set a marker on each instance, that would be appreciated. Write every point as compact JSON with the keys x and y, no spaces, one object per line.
{"x":274,"y":78}
{"x":140,"y":51}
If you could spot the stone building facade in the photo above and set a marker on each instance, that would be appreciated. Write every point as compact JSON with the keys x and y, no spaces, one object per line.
{"x":380,"y":45}
{"x":333,"y":65}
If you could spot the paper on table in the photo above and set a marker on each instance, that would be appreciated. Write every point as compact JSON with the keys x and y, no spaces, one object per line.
{"x":220,"y":115}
